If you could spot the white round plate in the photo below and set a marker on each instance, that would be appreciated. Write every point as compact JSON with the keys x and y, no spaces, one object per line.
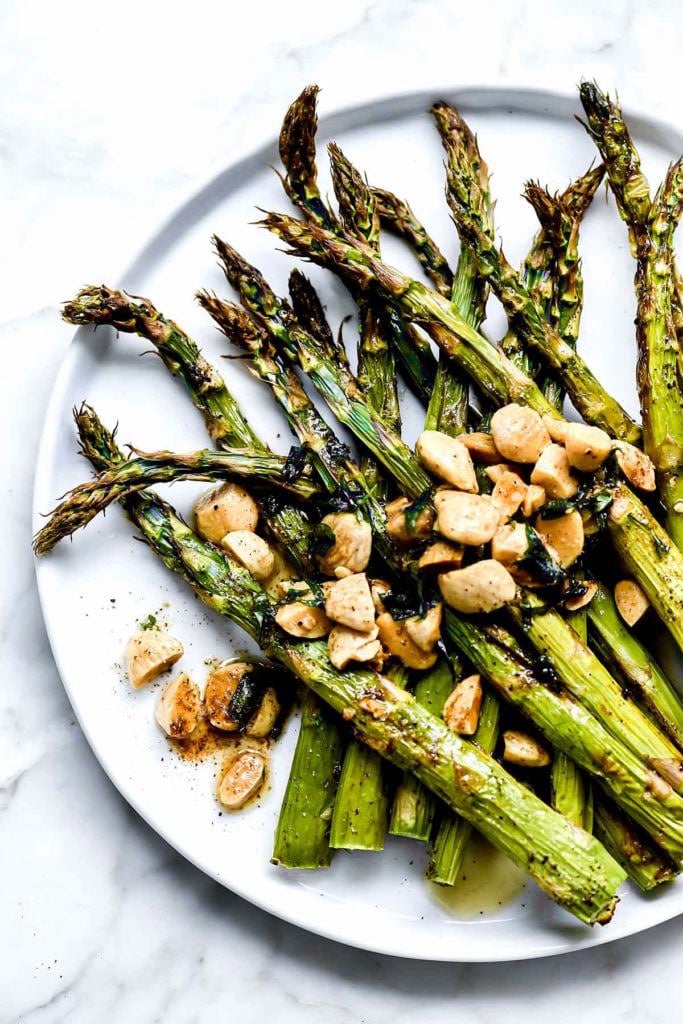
{"x":94,"y":590}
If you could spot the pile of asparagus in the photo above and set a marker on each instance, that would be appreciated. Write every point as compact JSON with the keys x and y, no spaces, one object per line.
{"x":584,"y":680}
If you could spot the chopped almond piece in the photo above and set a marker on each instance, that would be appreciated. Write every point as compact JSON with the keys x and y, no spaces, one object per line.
{"x":462,"y":707}
{"x":519,"y":433}
{"x":510,"y":543}
{"x":346,"y":645}
{"x":553,"y":472}
{"x":397,"y":641}
{"x":243,"y":777}
{"x":520,"y":748}
{"x":631,"y":601}
{"x":304,"y":620}
{"x":466,"y":518}
{"x":378,"y":588}
{"x":425,"y":630}
{"x":586,"y":447}
{"x":149,"y":653}
{"x":534,"y":499}
{"x":352,"y":544}
{"x":406,"y":528}
{"x":508,"y":494}
{"x":576,"y":603}
{"x":441,"y":556}
{"x":251,"y":551}
{"x":481,"y":447}
{"x":448,"y":458}
{"x":637,"y":467}
{"x":223,"y":510}
{"x":495,"y":472}
{"x":563,"y":534}
{"x":179,"y":707}
{"x":481,"y":587}
{"x":349,"y":602}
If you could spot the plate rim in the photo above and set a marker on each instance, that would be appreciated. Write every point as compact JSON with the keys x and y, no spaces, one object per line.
{"x":396,"y":104}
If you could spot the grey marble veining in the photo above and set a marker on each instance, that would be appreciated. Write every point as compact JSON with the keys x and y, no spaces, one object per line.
{"x":110,"y":118}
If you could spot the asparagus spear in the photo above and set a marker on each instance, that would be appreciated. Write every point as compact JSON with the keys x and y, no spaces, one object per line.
{"x":580,"y":876}
{"x":395,"y":214}
{"x":587,"y":394}
{"x":297,"y":152}
{"x":570,"y":727}
{"x":644,"y":863}
{"x":637,"y":537}
{"x":659,"y":319}
{"x":302,"y":836}
{"x":640,"y":672}
{"x":84,"y":502}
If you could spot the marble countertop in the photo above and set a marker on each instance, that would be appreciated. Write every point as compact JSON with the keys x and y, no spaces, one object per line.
{"x":109,"y":120}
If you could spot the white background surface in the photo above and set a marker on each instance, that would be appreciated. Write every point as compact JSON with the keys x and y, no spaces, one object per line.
{"x":108,"y":122}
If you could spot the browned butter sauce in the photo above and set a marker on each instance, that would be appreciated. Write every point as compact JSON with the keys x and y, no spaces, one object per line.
{"x":488,"y":881}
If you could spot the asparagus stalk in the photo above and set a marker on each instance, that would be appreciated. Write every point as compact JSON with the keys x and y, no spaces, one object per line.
{"x":637,"y":789}
{"x":84,"y":502}
{"x":397,"y":215}
{"x":454,"y":832}
{"x":579,"y":875}
{"x":586,"y":678}
{"x":587,"y":394}
{"x":659,"y":320}
{"x":297,"y":152}
{"x":642,"y":675}
{"x":643,"y":862}
{"x":302,"y":836}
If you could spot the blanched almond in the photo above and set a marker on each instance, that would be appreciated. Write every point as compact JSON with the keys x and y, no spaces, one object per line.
{"x":637,"y":467}
{"x":425,"y":630}
{"x":262,"y":721}
{"x":251,"y":551}
{"x":397,"y":641}
{"x":564,"y":535}
{"x":519,"y":748}
{"x":462,"y":707}
{"x":481,"y":447}
{"x":219,"y":690}
{"x":406,"y":528}
{"x":223,"y":510}
{"x":510,"y":543}
{"x":346,"y":645}
{"x":243,"y":777}
{"x":553,"y":472}
{"x":533,"y":499}
{"x":278,"y":582}
{"x":508,"y":494}
{"x":466,"y":518}
{"x":630,"y":601}
{"x":179,"y":707}
{"x":481,"y":587}
{"x":448,"y":458}
{"x":586,"y":447}
{"x":519,"y":433}
{"x":495,"y":472}
{"x":441,"y":556}
{"x":149,"y":653}
{"x":349,"y":602}
{"x":304,"y":620}
{"x":352,"y":543}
